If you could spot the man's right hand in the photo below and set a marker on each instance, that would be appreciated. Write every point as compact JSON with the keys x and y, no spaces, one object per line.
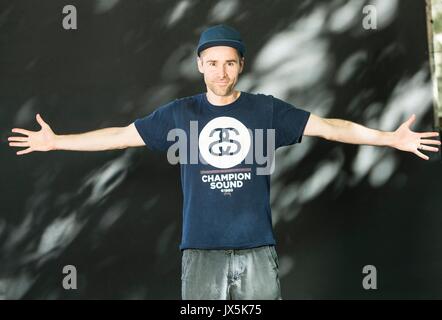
{"x":43,"y":140}
{"x":97,"y":140}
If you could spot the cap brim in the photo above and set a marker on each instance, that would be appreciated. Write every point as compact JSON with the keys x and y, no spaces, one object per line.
{"x":219,"y":42}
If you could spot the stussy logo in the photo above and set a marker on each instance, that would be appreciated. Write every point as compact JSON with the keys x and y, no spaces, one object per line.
{"x":224,"y":142}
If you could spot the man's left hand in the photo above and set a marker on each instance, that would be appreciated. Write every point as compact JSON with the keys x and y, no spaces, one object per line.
{"x":415,"y":142}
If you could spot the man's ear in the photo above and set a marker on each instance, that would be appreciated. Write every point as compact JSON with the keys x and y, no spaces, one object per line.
{"x":241,"y":61}
{"x":199,"y":62}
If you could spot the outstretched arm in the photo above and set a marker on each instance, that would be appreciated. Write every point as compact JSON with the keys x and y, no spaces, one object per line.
{"x":98,"y":140}
{"x":349,"y":132}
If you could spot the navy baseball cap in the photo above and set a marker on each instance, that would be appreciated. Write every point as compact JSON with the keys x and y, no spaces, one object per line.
{"x":221,"y":35}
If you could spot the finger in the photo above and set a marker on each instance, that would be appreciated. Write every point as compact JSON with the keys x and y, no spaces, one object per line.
{"x":410,"y":120}
{"x":429,"y":134}
{"x":430,"y":141}
{"x":427,"y":148}
{"x":19,"y":144}
{"x":24,"y":151}
{"x":40,"y":120}
{"x":22,"y":131}
{"x":18,"y":139}
{"x":421,"y":155}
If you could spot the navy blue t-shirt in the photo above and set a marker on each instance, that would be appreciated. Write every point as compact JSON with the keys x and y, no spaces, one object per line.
{"x":226,"y":202}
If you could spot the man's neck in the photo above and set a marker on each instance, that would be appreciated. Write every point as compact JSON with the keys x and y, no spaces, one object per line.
{"x":222,"y":100}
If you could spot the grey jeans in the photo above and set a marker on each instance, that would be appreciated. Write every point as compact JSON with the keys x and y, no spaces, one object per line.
{"x":246,"y":274}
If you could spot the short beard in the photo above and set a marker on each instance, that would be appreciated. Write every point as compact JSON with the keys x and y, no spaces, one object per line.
{"x":224,"y":91}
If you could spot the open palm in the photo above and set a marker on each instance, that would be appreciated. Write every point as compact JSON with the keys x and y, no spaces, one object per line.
{"x":407,"y":140}
{"x":42,"y":140}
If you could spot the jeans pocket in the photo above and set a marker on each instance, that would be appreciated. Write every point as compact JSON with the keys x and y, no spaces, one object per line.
{"x":273,"y":257}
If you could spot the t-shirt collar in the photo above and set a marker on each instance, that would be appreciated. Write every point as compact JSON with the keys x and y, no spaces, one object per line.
{"x":223,"y":108}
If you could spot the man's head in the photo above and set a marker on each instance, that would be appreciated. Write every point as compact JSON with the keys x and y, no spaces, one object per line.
{"x":220,"y":58}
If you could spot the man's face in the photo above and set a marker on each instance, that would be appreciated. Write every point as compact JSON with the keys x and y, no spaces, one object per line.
{"x":221,"y":67}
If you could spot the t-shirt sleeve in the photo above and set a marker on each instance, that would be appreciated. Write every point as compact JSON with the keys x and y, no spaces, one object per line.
{"x":154,"y":128}
{"x":289,"y":123}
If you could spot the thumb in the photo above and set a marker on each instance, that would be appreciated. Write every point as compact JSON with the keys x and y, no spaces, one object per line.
{"x":40,"y":120}
{"x":410,"y":120}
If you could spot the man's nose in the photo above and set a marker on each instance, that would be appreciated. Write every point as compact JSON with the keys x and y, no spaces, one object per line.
{"x":222,"y":71}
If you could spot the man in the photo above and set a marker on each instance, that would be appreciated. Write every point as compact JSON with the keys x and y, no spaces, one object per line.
{"x":227,"y":238}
